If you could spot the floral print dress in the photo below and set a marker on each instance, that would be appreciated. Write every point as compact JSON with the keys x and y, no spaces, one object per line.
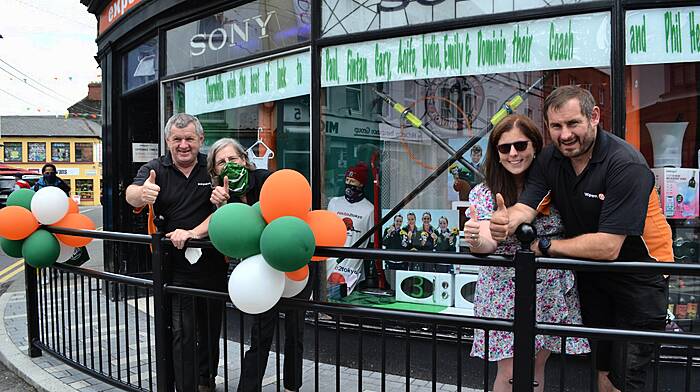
{"x":557,"y":296}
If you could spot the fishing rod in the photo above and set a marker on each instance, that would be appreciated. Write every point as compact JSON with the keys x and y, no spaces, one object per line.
{"x":507,"y":109}
{"x":406,"y":113}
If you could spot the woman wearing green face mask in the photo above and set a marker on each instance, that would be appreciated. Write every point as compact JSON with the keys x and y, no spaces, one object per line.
{"x":234,"y":178}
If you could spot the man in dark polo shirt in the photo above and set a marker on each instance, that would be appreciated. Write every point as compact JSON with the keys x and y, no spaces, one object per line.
{"x":178,"y":187}
{"x":602,"y":187}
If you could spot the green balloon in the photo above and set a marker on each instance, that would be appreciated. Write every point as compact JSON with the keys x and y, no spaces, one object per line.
{"x":235,"y":230}
{"x":11,"y":248}
{"x":287,"y":243}
{"x":256,"y":207}
{"x":41,"y":249}
{"x":21,"y":197}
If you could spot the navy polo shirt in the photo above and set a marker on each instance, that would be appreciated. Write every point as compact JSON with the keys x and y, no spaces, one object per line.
{"x":183,"y":203}
{"x":611,"y":195}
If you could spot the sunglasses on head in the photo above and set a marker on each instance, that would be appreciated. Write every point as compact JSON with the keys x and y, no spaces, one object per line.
{"x":519,"y":146}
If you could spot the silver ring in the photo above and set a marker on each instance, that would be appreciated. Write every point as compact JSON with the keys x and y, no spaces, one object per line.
{"x":474,"y":235}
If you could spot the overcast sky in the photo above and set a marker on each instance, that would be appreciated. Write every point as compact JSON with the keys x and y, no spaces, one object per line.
{"x":51,"y":41}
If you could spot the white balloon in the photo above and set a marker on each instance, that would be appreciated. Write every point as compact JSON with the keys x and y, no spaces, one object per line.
{"x":49,"y":205}
{"x":293,"y":287}
{"x":254,"y":286}
{"x":66,"y":252}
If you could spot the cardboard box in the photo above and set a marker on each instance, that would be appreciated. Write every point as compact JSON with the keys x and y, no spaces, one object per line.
{"x":678,"y":191}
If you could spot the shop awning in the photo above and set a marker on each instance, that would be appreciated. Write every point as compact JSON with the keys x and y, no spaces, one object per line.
{"x":6,"y":170}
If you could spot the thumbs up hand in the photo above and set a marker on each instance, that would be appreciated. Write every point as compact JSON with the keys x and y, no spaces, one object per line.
{"x":471,"y":229}
{"x":499,"y":220}
{"x":220,"y":195}
{"x":149,"y":189}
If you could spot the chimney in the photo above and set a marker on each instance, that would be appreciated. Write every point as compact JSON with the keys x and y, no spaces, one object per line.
{"x":95,"y":91}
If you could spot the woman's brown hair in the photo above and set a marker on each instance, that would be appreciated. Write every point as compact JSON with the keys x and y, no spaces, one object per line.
{"x":498,"y":179}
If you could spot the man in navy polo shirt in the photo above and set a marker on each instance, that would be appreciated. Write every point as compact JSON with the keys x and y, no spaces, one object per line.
{"x":178,"y":187}
{"x":602,"y":186}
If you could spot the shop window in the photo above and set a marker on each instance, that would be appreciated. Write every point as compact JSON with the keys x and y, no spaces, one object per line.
{"x":662,"y":120}
{"x":36,"y":152}
{"x":141,"y":64}
{"x":341,"y":17}
{"x":438,"y":100}
{"x":83,"y":188}
{"x":13,"y":152}
{"x":60,"y":152}
{"x":255,"y":27}
{"x":83,"y":152}
{"x":270,"y":120}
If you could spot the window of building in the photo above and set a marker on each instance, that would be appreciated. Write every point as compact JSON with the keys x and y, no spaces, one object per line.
{"x":431,"y":106}
{"x":84,"y":189}
{"x":268,"y":115}
{"x":346,"y":17}
{"x":36,"y":152}
{"x":60,"y":152}
{"x":141,"y":65}
{"x":13,"y":152}
{"x":83,"y":152}
{"x":663,"y":115}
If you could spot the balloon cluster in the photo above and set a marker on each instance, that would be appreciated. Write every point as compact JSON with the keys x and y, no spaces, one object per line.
{"x":276,"y":238}
{"x":21,"y":232}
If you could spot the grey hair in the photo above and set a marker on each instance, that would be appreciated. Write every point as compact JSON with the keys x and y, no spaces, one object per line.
{"x":218,"y":146}
{"x":182,"y":120}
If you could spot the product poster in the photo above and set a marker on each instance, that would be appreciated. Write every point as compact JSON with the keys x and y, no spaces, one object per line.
{"x":427,"y":230}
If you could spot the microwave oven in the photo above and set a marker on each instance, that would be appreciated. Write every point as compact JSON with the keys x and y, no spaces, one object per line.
{"x":430,"y":288}
{"x":465,"y":286}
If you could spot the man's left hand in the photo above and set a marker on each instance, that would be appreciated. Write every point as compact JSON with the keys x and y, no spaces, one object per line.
{"x":179,"y":237}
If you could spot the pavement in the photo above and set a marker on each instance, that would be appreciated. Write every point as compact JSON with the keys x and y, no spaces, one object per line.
{"x":47,"y":373}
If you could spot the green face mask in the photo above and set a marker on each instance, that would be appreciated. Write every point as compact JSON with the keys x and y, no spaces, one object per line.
{"x":237,"y":178}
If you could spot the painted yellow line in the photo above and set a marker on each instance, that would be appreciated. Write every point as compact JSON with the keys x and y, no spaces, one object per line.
{"x":15,"y":264}
{"x":11,"y":274}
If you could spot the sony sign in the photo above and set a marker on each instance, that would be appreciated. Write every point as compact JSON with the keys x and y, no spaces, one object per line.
{"x":219,"y":38}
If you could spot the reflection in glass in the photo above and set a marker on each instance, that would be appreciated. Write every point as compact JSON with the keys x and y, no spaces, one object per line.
{"x":141,"y":64}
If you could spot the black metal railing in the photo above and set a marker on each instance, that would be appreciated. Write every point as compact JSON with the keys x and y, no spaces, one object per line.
{"x":125,"y":339}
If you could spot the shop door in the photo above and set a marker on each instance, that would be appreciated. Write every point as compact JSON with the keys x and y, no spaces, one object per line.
{"x":140,"y":143}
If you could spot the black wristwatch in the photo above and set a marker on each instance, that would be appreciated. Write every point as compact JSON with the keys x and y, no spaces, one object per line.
{"x":544,"y":244}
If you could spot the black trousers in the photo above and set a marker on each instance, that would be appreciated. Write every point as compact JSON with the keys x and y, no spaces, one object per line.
{"x":262,"y":333}
{"x":624,"y":301}
{"x":196,"y":324}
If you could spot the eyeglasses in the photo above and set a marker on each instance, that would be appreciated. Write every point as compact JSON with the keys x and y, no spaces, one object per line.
{"x":519,"y":146}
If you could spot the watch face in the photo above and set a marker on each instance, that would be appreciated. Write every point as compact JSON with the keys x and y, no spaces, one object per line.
{"x":544,"y":245}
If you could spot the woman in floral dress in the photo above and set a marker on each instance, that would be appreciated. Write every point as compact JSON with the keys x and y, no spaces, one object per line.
{"x":513,"y":145}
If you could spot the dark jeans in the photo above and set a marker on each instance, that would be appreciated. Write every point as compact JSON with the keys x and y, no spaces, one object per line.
{"x":624,"y":301}
{"x":262,"y":332}
{"x":196,"y":331}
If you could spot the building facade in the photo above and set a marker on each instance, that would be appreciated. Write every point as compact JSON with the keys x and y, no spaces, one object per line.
{"x":74,"y":145}
{"x":316,"y":82}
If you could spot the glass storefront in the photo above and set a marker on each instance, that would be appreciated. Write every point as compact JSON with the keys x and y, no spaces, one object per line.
{"x":662,"y":80}
{"x":230,"y":69}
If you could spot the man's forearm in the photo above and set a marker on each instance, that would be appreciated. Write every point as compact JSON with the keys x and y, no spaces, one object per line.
{"x":595,"y":246}
{"x":133,"y":196}
{"x":202,"y":230}
{"x":519,"y":214}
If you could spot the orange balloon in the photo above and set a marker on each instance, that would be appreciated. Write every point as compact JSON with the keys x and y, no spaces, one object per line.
{"x":299,"y":274}
{"x":328,"y":229}
{"x":75,"y":221}
{"x":72,"y":206}
{"x":285,"y":193}
{"x":17,"y":223}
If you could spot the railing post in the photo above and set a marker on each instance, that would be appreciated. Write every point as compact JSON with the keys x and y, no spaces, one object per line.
{"x":161,"y":302}
{"x":32,"y":301}
{"x":524,"y":322}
